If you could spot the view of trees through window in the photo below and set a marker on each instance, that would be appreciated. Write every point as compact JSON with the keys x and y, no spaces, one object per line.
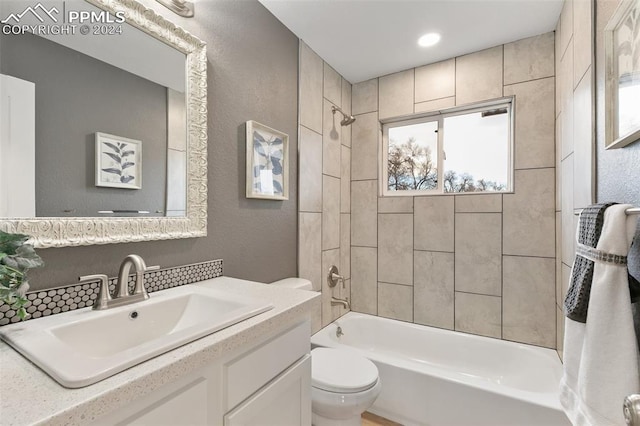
{"x":413,"y":157}
{"x":474,"y":149}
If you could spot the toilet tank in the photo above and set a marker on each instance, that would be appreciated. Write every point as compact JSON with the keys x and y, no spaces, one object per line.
{"x":299,"y":283}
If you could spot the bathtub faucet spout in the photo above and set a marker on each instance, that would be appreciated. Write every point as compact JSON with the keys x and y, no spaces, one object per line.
{"x":344,"y":302}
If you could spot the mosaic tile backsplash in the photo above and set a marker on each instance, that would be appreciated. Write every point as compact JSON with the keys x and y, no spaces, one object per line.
{"x":53,"y":301}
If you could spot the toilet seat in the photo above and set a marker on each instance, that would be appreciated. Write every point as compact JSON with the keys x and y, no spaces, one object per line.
{"x":340,"y":371}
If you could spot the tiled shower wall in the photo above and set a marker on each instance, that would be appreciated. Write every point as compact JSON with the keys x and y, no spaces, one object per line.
{"x":574,"y":134}
{"x":324,"y":200}
{"x":483,"y":264}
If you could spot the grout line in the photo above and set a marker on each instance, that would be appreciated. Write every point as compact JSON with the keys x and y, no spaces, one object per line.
{"x":434,"y":251}
{"x":528,"y":81}
{"x":479,"y":294}
{"x":310,"y":129}
{"x":532,"y":168}
{"x":399,"y":284}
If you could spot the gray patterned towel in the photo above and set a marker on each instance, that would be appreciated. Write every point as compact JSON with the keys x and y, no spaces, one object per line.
{"x":590,"y":228}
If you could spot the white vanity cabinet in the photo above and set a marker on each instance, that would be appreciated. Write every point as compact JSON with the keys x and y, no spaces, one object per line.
{"x":261,"y":384}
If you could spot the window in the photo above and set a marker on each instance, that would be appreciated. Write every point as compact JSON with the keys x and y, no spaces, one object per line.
{"x":461,"y":150}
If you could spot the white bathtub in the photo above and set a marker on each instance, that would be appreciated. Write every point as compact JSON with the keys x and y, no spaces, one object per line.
{"x":443,"y":378}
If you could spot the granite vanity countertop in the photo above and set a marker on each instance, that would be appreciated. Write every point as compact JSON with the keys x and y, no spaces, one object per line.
{"x":29,"y":396}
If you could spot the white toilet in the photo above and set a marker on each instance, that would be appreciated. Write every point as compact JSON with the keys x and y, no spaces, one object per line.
{"x":344,"y":384}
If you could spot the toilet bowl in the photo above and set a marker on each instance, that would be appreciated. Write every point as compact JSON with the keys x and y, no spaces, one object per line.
{"x":344,"y":384}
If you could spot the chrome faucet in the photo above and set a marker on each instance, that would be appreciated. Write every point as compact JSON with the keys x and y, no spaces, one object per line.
{"x":343,"y":302}
{"x":121,"y":295}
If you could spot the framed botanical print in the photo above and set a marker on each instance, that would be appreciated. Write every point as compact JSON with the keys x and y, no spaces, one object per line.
{"x":267,"y":162}
{"x":118,"y":161}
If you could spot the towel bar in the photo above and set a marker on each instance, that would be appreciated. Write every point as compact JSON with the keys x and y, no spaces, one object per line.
{"x":630,"y":211}
{"x":631,"y":409}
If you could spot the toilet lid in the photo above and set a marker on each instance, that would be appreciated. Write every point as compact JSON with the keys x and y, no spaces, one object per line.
{"x":335,"y":370}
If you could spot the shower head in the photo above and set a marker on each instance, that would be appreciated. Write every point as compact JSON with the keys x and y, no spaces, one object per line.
{"x":346,"y":119}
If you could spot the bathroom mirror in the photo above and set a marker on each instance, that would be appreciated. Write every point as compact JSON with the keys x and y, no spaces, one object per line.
{"x":123,"y":158}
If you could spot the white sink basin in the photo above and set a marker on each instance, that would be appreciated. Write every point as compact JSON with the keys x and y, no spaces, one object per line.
{"x":82,"y":347}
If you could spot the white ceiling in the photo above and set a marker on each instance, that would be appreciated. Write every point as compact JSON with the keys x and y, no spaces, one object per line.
{"x":363,"y":39}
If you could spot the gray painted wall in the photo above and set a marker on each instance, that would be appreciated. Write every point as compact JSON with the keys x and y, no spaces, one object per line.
{"x":76,"y":96}
{"x":252,"y":75}
{"x":618,"y":170}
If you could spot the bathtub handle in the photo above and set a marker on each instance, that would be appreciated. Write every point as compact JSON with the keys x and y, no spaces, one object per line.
{"x":631,"y":409}
{"x":333,"y":277}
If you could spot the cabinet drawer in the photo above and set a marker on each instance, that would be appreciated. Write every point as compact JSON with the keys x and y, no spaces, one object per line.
{"x":248,"y":373}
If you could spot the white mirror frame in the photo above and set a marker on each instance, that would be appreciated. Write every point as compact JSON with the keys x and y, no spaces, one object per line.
{"x":79,"y":231}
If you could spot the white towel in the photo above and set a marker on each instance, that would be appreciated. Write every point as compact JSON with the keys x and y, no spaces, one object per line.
{"x":601,"y":360}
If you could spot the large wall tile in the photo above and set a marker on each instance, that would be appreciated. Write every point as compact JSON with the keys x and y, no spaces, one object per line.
{"x":330,"y":212}
{"x":346,"y":96}
{"x":529,"y":214}
{"x":583,"y":143}
{"x":433,"y":223}
{"x":560,"y":333}
{"x":479,"y":76}
{"x":558,"y":258}
{"x":558,"y":57}
{"x":436,"y":105}
{"x":435,"y":81}
{"x":329,"y":313}
{"x":310,"y":248}
{"x":395,"y":248}
{"x":316,"y":318}
{"x":345,"y":293}
{"x":364,"y":219}
{"x":332,"y":85}
{"x":566,"y":25}
{"x":364,"y":284}
{"x":345,"y":245}
{"x":395,"y":205}
{"x":478,"y":314}
{"x":395,"y":301}
{"x":566,"y":100}
{"x":433,"y":293}
{"x":479,"y":253}
{"x":310,"y":176}
{"x":396,"y":94}
{"x":364,"y":97}
{"x":568,"y":237}
{"x":345,"y":180}
{"x":346,"y":107}
{"x":535,"y":123}
{"x":490,"y":203}
{"x":311,"y":76}
{"x":331,"y":129}
{"x":582,"y":38}
{"x":558,"y":162}
{"x":528,"y":301}
{"x":364,"y":146}
{"x":529,"y":59}
{"x":566,"y":281}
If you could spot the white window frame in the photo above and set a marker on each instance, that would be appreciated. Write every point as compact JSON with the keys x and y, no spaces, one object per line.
{"x":439,"y":116}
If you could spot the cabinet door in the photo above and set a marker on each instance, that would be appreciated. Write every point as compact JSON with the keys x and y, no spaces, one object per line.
{"x":285,"y":401}
{"x":186,"y":406}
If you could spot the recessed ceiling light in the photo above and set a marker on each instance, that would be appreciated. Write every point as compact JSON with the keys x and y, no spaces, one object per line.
{"x":429,"y":39}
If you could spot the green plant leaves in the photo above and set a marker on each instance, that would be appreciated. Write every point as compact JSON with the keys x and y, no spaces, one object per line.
{"x":24,"y":258}
{"x":16,"y":258}
{"x":9,"y":243}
